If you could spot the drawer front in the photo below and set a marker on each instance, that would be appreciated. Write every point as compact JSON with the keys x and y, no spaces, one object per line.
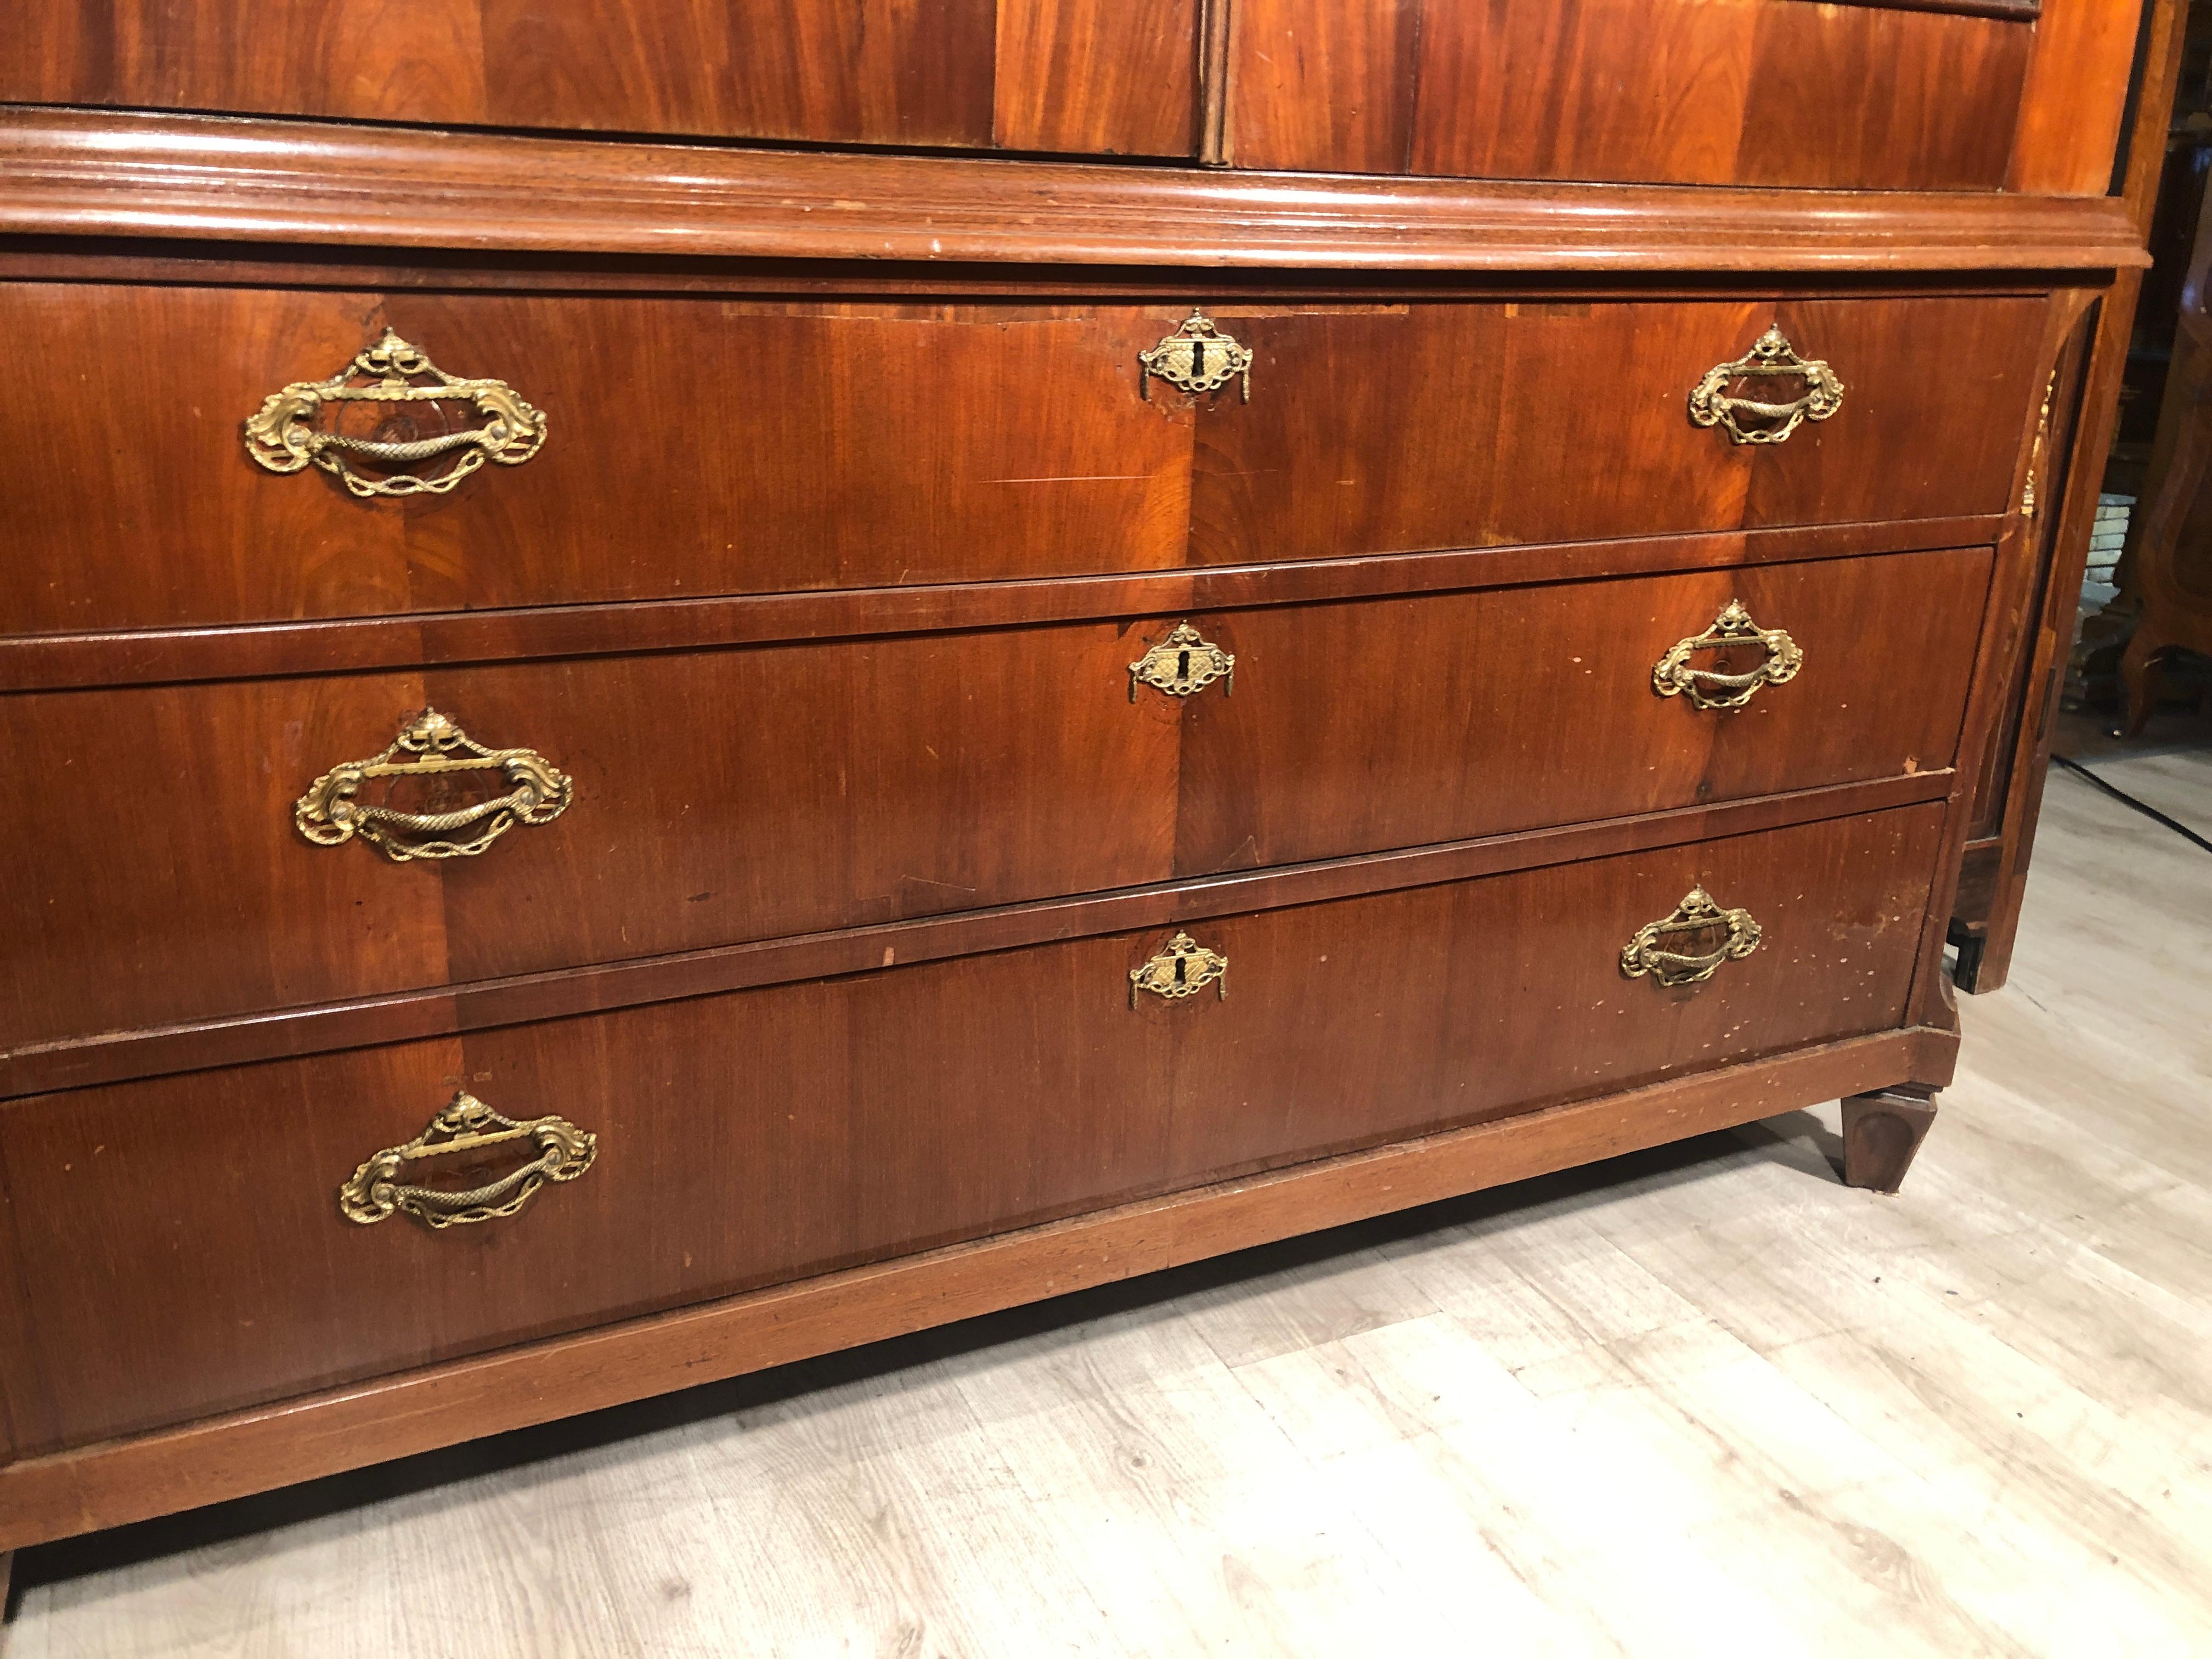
{"x":676,"y":447}
{"x":184,"y":1250}
{"x":1382,"y":431}
{"x":1871,"y":96}
{"x":718,"y":797}
{"x":1052,"y":75}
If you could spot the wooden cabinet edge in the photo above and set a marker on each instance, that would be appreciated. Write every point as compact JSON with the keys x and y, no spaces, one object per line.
{"x":54,"y":1496}
{"x":86,"y":174}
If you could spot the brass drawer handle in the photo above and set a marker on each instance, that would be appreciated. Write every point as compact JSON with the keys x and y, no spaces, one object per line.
{"x":430,"y":745}
{"x":467,"y":1125}
{"x":284,"y":438}
{"x":1697,"y":921}
{"x":1183,"y":970}
{"x":1181,"y":663}
{"x":1197,"y":357}
{"x":1771,"y":357}
{"x":1673,"y":675}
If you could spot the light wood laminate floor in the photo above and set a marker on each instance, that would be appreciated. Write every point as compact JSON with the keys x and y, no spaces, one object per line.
{"x":1706,"y":1401}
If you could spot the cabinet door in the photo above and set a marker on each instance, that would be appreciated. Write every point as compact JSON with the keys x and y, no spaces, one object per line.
{"x":1929,"y":95}
{"x":1102,"y":75}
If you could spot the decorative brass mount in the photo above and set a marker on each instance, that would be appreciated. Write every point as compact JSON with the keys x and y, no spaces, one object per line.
{"x":331,"y":811}
{"x":283,"y":435}
{"x":1181,"y":663}
{"x":467,"y":1125}
{"x":1197,"y":357}
{"x":1771,"y":357}
{"x":1183,"y":970}
{"x":1736,"y":936}
{"x":1672,"y":675}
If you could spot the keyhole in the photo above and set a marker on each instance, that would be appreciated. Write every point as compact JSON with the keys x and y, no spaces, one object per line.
{"x":1182,"y":971}
{"x":1183,"y":665}
{"x":1197,"y":359}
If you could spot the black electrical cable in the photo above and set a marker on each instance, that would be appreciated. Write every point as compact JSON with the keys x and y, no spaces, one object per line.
{"x":2126,"y":799}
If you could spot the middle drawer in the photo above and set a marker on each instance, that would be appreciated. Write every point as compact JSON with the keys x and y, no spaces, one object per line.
{"x":709,"y":797}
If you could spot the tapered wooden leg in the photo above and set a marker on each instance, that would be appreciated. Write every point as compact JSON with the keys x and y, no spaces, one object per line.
{"x":1881,"y":1131}
{"x":2139,"y":680}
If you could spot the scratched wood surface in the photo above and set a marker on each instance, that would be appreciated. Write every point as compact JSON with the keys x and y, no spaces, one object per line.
{"x":1706,"y":1401}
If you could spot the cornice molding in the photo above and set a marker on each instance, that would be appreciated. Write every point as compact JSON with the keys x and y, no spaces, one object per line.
{"x":66,"y":173}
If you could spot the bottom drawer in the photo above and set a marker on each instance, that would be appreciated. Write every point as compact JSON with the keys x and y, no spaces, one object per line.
{"x":182,"y":1249}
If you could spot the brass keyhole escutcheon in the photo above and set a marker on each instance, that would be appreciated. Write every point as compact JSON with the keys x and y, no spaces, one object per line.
{"x":1182,"y":969}
{"x":1197,"y":357}
{"x":1183,"y":663}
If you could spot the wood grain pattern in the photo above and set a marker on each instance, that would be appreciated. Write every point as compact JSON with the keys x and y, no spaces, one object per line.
{"x":1607,"y":90}
{"x":750,"y":447}
{"x":1883,"y":99}
{"x":1391,"y":1017}
{"x":72,"y":172}
{"x":243,"y":1039}
{"x":905,"y":72}
{"x":1391,"y":428}
{"x":67,"y":661}
{"x":1355,"y":727}
{"x":887,"y":444}
{"x":2076,"y":97}
{"x":1112,"y":77}
{"x":1317,"y":85}
{"x":1746,"y":91}
{"x":878,"y":71}
{"x":118,"y":1481}
{"x":754,"y":1138}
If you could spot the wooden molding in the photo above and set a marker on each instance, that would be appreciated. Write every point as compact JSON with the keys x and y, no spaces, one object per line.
{"x":2023,"y":11}
{"x":69,"y":173}
{"x":54,"y":1496}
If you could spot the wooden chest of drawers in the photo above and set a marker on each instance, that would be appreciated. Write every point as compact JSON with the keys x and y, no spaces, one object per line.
{"x":629,"y":762}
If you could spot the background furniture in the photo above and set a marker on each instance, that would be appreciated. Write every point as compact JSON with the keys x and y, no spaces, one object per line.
{"x":633,"y":759}
{"x":2173,"y":556}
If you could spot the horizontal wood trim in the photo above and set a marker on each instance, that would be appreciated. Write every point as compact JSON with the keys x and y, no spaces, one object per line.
{"x":109,"y":1485}
{"x":442,"y":1010}
{"x":74,"y":661}
{"x":75,"y":172}
{"x":175,"y":262}
{"x":2024,"y":11}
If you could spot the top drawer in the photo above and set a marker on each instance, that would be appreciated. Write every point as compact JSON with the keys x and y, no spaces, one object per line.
{"x":193,"y":471}
{"x":1879,"y":95}
{"x":1071,"y":76}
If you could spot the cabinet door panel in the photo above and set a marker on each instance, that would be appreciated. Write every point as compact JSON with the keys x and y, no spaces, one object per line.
{"x":1079,"y":77}
{"x":1712,"y":92}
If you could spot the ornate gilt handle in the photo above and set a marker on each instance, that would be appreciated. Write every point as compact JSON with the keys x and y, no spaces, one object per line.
{"x":1183,"y":970}
{"x":1183,"y":663}
{"x":1667,"y":949}
{"x":467,"y":1125}
{"x":1758,"y":421}
{"x":1673,"y":675}
{"x":332,"y":811}
{"x":283,"y":437}
{"x":1197,"y":357}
